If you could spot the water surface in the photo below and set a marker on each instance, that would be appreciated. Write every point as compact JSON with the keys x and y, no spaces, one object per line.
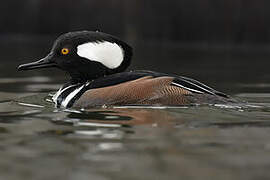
{"x":39,"y":141}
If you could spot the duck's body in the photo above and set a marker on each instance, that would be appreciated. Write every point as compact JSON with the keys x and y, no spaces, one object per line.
{"x":96,"y":64}
{"x":137,"y":88}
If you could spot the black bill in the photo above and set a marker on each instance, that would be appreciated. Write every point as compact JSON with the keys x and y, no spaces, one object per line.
{"x":43,"y":63}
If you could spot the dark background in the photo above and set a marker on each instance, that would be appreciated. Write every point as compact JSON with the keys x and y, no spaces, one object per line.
{"x":211,"y":21}
{"x":220,"y":42}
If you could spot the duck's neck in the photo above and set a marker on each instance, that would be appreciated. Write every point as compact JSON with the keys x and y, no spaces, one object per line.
{"x":76,"y":81}
{"x":82,"y":76}
{"x":73,"y":81}
{"x":84,"y":79}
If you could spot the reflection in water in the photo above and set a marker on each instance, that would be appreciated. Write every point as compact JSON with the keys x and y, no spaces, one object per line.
{"x":213,"y":141}
{"x":112,"y":123}
{"x":125,"y":116}
{"x":14,"y":116}
{"x":197,"y":142}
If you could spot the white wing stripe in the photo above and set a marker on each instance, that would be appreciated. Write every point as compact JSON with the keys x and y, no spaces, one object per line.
{"x":198,"y":87}
{"x":199,"y":83}
{"x":202,"y":88}
{"x":192,"y":90}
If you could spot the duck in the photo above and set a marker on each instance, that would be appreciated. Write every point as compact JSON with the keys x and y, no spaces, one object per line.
{"x":96,"y":63}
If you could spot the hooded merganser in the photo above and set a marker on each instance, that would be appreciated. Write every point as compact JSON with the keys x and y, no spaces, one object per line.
{"x":96,"y":63}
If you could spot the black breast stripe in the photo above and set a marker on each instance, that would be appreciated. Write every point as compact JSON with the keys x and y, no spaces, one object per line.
{"x":64,"y":94}
{"x":78,"y":95}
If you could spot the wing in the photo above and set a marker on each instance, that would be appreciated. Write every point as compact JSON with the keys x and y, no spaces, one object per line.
{"x":189,"y":84}
{"x":146,"y":90}
{"x":145,"y":87}
{"x":179,"y":81}
{"x":195,"y":86}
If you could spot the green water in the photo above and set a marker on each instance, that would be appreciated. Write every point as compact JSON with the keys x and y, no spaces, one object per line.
{"x":196,"y":142}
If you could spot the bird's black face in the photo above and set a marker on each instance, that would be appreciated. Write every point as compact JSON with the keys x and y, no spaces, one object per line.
{"x":86,"y":55}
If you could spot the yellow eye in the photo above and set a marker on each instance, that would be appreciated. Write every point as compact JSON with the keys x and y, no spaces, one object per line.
{"x":65,"y":51}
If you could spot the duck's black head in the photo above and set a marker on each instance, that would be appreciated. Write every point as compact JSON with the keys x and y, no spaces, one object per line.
{"x":86,"y":55}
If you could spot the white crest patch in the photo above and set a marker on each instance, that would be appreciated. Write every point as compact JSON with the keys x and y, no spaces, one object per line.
{"x":109,"y":54}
